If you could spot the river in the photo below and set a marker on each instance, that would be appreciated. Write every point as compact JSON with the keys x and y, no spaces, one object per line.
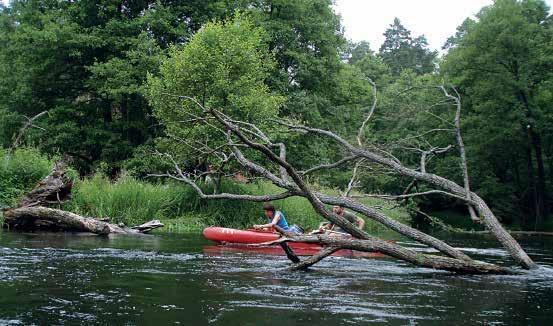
{"x":67,"y":279}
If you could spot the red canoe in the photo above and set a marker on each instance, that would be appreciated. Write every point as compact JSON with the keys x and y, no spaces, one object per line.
{"x":236,"y":240}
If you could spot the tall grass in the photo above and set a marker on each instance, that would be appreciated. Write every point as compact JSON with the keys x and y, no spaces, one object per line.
{"x":125,"y":200}
{"x":130,"y":201}
{"x":19,"y":172}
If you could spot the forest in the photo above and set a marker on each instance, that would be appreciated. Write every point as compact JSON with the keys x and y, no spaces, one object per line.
{"x":94,"y":80}
{"x":246,"y":162}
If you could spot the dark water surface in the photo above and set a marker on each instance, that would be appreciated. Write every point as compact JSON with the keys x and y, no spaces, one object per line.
{"x":63,"y":279}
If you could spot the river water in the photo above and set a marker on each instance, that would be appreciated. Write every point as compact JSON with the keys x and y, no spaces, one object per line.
{"x":65,"y":279}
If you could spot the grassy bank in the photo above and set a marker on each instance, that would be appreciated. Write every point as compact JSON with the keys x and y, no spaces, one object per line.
{"x":131,"y":201}
{"x":19,"y":172}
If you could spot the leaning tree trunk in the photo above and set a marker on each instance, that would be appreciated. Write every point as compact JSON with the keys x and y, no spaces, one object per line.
{"x":488,"y":217}
{"x":296,"y":186}
{"x":333,"y":244}
{"x":366,"y":242}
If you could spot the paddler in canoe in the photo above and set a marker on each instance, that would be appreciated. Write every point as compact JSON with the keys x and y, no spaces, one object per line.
{"x":276,"y":218}
{"x":329,"y":227}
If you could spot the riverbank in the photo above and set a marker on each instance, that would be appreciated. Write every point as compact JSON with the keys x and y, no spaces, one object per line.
{"x":131,"y":201}
{"x":134,"y":201}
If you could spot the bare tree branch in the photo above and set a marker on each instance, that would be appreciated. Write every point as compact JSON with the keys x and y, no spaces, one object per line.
{"x":353,"y":183}
{"x":369,"y":115}
{"x":489,"y":219}
{"x":410,"y":195}
{"x":298,"y":187}
{"x":305,"y":264}
{"x":431,"y":261}
{"x":461,"y":145}
{"x":434,"y":150}
{"x":330,"y":165}
{"x":27,"y":125}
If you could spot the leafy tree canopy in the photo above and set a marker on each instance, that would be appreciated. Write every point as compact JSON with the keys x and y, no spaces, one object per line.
{"x":402,"y":51}
{"x":224,"y":67}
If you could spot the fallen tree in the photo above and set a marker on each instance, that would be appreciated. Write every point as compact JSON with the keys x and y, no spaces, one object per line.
{"x":245,"y":135}
{"x":34,"y":211}
{"x":334,"y":243}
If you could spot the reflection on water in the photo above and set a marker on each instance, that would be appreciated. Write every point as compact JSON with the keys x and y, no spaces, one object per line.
{"x":71,"y":279}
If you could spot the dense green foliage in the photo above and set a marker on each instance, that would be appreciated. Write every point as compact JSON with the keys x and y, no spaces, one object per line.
{"x":109,"y":73}
{"x":503,"y":64}
{"x":86,"y":63}
{"x":19,"y":172}
{"x":224,"y":66}
{"x":400,"y":51}
{"x":130,"y":201}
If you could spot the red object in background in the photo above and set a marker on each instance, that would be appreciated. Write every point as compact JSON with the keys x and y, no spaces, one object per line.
{"x":237,"y":240}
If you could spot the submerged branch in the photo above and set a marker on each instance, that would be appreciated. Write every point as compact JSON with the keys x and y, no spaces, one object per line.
{"x":334,"y":243}
{"x":23,"y":129}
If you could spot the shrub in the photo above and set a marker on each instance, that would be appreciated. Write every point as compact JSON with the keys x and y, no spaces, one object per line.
{"x":132,"y":202}
{"x":19,"y":172}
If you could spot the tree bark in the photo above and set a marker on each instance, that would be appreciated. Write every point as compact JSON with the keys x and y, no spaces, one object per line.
{"x":51,"y":219}
{"x":32,"y":211}
{"x":53,"y":189}
{"x":33,"y":218}
{"x":299,"y":266}
{"x":287,"y":250}
{"x":462,"y":153}
{"x":399,"y":227}
{"x":489,"y":219}
{"x":423,"y":260}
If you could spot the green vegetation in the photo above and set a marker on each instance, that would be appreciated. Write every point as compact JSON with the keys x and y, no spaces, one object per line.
{"x":132,"y":202}
{"x":502,"y":63}
{"x":19,"y":172}
{"x":400,"y":51}
{"x":103,"y":70}
{"x":225,"y":65}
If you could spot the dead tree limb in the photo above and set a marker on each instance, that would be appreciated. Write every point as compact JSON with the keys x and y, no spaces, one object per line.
{"x":358,"y":207}
{"x":431,"y":261}
{"x":434,"y":150}
{"x":369,"y":114}
{"x":306,"y":263}
{"x":317,"y":201}
{"x":461,"y":145}
{"x":33,"y":212}
{"x":489,"y":219}
{"x":331,"y":200}
{"x":330,"y":165}
{"x":297,"y":186}
{"x":23,"y":129}
{"x":300,"y":186}
{"x":287,"y":250}
{"x":54,"y":188}
{"x":44,"y":218}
